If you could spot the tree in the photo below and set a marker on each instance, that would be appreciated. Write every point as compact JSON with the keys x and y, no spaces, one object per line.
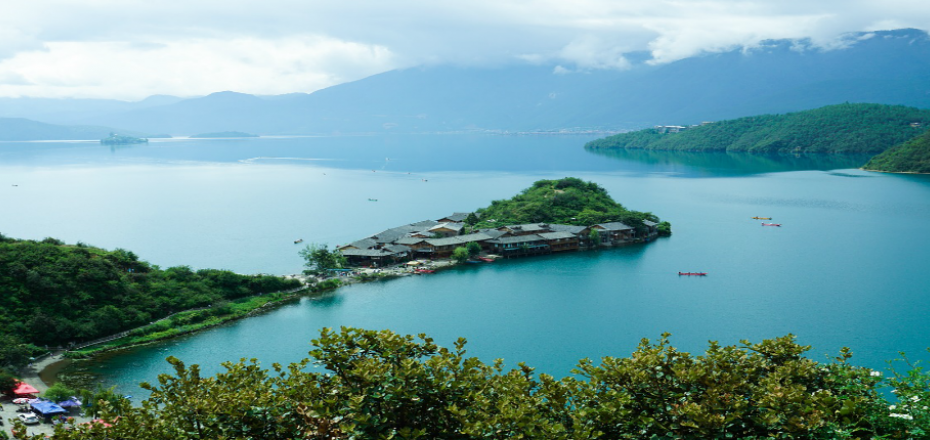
{"x":595,"y":237}
{"x":460,"y":254}
{"x":8,"y":382}
{"x":58,"y":392}
{"x":318,"y":259}
{"x":472,"y":219}
{"x":473,"y":249}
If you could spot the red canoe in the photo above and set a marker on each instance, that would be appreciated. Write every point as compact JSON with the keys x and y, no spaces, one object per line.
{"x":700,"y":274}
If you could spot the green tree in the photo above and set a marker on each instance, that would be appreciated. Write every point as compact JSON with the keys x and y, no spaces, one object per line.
{"x":8,"y":382}
{"x":594,"y":237}
{"x":58,"y":392}
{"x":318,"y":258}
{"x":472,"y":219}
{"x":473,"y":249}
{"x":460,"y":254}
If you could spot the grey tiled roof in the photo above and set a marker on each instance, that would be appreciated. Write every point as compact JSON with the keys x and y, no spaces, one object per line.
{"x":568,"y":228}
{"x":458,"y":239}
{"x":557,"y":235}
{"x":614,"y":226}
{"x":649,"y":223}
{"x":457,"y":216}
{"x":448,"y":225}
{"x":517,"y":239}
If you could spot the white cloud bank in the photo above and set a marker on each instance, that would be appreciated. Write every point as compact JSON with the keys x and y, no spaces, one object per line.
{"x":129,"y":49}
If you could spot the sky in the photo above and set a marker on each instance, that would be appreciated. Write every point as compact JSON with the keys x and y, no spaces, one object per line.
{"x":131,"y":49}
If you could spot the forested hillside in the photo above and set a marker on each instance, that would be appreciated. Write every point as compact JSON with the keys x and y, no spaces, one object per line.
{"x":568,"y":201}
{"x":55,"y":293}
{"x":843,"y":128}
{"x":910,"y":157}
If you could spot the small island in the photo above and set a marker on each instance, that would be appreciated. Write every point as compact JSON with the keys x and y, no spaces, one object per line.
{"x":550,"y":217}
{"x":224,"y":134}
{"x":118,"y":139}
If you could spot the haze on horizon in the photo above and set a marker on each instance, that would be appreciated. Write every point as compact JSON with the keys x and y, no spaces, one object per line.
{"x":116,"y":49}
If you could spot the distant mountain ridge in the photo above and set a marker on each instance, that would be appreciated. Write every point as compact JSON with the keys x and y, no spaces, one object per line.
{"x":889,"y":67}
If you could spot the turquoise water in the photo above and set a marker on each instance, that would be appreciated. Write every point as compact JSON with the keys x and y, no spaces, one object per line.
{"x":847,"y":268}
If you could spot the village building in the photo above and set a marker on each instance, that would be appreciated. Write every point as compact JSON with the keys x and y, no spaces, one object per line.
{"x":431,"y":239}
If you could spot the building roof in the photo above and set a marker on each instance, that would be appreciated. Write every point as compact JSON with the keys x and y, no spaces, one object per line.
{"x":568,"y":228}
{"x":458,"y":239}
{"x":452,"y":226}
{"x":649,"y":223}
{"x":409,"y":240}
{"x":557,"y":235}
{"x":614,"y":226}
{"x":369,"y":252}
{"x":365,"y":243}
{"x":390,"y":235}
{"x":517,"y":239}
{"x":529,"y":227}
{"x":455,"y":217}
{"x":493,"y":233}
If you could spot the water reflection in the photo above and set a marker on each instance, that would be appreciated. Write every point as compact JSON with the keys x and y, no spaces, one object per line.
{"x":731,"y":164}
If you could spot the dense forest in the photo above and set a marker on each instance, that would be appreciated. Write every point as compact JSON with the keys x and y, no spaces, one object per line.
{"x":568,"y":201}
{"x":54,"y":294}
{"x":381,"y":385}
{"x":843,"y":128}
{"x":910,"y":157}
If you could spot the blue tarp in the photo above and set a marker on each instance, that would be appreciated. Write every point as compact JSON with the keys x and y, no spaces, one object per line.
{"x":68,"y":404}
{"x":48,"y":408}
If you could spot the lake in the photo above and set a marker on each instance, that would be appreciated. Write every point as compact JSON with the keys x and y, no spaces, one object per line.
{"x":847,"y":268}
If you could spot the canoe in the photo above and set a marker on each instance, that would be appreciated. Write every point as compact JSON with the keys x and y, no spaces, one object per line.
{"x":771,"y":224}
{"x":699,"y":274}
{"x":762,"y":218}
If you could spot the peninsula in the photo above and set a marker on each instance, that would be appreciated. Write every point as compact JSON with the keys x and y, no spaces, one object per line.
{"x":910,"y":157}
{"x":843,"y":128}
{"x":552,"y":216}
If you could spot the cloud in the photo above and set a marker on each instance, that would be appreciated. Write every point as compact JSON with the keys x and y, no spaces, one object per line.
{"x":190,"y":67}
{"x":106,"y":48}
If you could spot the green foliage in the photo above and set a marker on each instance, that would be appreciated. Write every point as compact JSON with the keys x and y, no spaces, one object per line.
{"x":473,"y":249}
{"x":472,"y":219}
{"x":570,"y":201}
{"x":8,"y":382}
{"x":460,"y":254}
{"x":77,"y":293}
{"x":58,"y":392}
{"x":118,"y":139}
{"x":379,"y":385}
{"x":843,"y":128}
{"x":317,"y":259}
{"x":665,"y":229}
{"x":910,"y":157}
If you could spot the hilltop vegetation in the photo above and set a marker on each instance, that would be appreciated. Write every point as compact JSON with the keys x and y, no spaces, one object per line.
{"x":910,"y":157}
{"x":380,"y":385}
{"x":568,"y":201}
{"x":843,"y":128}
{"x":54,"y":293}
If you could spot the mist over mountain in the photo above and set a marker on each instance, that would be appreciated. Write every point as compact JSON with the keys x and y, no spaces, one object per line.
{"x":889,"y":67}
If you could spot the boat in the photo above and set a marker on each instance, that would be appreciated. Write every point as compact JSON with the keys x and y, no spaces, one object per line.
{"x":486,"y":259}
{"x":299,"y":240}
{"x":771,"y":224}
{"x":372,"y":200}
{"x":423,"y":271}
{"x":698,"y":274}
{"x":762,"y":218}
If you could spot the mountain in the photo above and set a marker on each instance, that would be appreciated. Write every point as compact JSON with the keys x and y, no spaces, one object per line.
{"x":888,"y":67}
{"x":910,"y":157}
{"x":842,"y":128}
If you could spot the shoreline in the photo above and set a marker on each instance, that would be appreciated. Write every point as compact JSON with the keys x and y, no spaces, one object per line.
{"x":43,"y":372}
